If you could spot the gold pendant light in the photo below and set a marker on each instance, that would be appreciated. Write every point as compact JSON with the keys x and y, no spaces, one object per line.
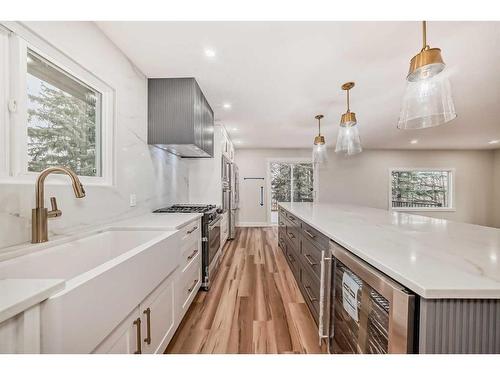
{"x":427,"y":101}
{"x":427,"y":63}
{"x":319,"y":149}
{"x":348,"y":140}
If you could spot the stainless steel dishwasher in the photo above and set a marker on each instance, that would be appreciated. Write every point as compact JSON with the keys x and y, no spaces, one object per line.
{"x":361,"y":309}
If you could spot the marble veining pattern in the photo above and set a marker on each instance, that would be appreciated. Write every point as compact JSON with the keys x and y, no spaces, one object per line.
{"x":435,"y":258}
{"x":157,"y":178}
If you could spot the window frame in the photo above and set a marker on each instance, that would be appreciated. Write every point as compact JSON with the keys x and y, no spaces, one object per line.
{"x":451,"y":190}
{"x":14,"y":160}
{"x":288,"y":160}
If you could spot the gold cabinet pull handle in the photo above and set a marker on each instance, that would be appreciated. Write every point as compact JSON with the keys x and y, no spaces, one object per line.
{"x":290,"y":234}
{"x":311,"y":298}
{"x":147,"y":340}
{"x":137,"y":323}
{"x":192,"y":286}
{"x":192,"y":254}
{"x":309,"y":233}
{"x":292,"y":259}
{"x":192,"y":230}
{"x":308,"y":258}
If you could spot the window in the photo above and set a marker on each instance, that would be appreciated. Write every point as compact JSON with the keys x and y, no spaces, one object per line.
{"x":58,"y":113}
{"x":63,"y":120}
{"x":290,"y":182}
{"x":421,"y":189}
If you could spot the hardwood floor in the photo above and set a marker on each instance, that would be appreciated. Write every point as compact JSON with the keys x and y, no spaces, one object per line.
{"x":254,"y":304}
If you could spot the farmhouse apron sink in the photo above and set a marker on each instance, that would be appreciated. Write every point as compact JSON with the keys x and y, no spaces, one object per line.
{"x":107,"y":273}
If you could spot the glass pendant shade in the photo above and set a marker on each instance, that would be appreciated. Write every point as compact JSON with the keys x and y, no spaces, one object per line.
{"x":319,"y":154}
{"x":427,"y":103}
{"x":348,"y":140}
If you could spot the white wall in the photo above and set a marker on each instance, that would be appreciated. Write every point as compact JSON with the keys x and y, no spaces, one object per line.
{"x":157,"y":178}
{"x":496,"y":188}
{"x":363,"y":179}
{"x":205,"y":185}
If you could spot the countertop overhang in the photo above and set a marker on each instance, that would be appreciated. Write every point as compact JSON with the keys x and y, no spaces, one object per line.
{"x":435,"y":258}
{"x":17,"y":295}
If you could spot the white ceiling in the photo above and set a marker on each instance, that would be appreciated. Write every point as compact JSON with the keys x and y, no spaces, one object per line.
{"x":278,"y":75}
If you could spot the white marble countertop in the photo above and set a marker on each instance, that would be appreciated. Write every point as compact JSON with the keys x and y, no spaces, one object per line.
{"x":158,"y":221}
{"x":435,"y":258}
{"x":17,"y":295}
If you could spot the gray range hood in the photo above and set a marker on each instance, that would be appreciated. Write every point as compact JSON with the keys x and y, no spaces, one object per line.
{"x":180,"y":120}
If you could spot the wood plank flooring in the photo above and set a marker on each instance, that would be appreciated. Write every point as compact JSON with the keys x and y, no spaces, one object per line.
{"x":253,"y":306}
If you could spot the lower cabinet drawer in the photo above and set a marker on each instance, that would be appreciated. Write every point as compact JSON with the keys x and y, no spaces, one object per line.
{"x":310,"y":256}
{"x":309,"y":285}
{"x":316,"y":237}
{"x":292,"y":235}
{"x":292,"y":256}
{"x":190,"y":250}
{"x":281,"y":243}
{"x":190,"y":281}
{"x":190,"y":231}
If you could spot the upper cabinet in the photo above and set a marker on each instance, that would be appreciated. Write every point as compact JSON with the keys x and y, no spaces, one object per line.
{"x":180,"y":120}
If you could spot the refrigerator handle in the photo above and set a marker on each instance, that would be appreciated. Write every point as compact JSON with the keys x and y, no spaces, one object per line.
{"x":324,"y":296}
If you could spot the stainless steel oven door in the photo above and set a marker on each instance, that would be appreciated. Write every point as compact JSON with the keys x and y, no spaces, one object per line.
{"x":213,"y":237}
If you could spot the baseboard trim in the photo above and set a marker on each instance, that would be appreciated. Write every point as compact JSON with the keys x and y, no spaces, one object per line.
{"x":254,"y":224}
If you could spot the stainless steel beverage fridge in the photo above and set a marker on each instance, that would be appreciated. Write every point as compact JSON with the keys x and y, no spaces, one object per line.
{"x":361,"y":309}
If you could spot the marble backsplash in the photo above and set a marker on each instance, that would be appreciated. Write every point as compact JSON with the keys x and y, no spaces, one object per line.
{"x":156,"y":177}
{"x":160,"y":179}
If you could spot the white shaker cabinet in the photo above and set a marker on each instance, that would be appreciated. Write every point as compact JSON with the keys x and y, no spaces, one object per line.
{"x":158,"y":317}
{"x":124,"y":338}
{"x":148,"y":328}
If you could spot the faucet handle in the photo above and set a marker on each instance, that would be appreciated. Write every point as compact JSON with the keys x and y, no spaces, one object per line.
{"x":55,"y":212}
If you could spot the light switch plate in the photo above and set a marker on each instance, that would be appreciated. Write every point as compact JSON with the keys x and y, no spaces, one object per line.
{"x":133,"y":200}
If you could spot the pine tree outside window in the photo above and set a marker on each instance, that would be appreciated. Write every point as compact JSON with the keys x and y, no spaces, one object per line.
{"x":58,"y":112}
{"x":63,"y":120}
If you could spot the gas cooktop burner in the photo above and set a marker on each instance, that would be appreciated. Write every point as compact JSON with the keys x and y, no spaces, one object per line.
{"x":187,"y":208}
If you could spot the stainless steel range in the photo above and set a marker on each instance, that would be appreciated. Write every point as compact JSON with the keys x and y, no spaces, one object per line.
{"x":210,"y":232}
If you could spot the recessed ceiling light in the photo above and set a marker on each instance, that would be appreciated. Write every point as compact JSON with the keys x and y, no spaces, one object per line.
{"x":494,"y":141}
{"x":209,"y":52}
{"x":226,"y":105}
{"x":414,"y":141}
{"x":234,"y":129}
{"x":238,"y":142}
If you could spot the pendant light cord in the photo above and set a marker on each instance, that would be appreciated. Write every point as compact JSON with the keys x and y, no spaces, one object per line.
{"x":348,"y":109}
{"x":319,"y":127}
{"x":424,"y":35}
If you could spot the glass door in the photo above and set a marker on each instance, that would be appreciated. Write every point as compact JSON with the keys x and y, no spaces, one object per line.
{"x":290,"y":182}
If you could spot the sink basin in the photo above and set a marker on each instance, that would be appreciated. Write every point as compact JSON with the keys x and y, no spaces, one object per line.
{"x":107,"y":274}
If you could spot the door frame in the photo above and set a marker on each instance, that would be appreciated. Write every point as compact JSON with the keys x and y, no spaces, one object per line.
{"x":290,"y":160}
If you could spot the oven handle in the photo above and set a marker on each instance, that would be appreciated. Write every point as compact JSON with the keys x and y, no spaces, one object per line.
{"x":324,"y":296}
{"x":212,"y":224}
